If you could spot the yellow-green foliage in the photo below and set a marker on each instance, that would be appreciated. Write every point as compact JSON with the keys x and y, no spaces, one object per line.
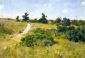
{"x":12,"y":25}
{"x":44,"y":26}
{"x":63,"y":49}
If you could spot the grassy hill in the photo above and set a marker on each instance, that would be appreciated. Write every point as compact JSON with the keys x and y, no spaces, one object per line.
{"x":62,"y":49}
{"x":8,"y":30}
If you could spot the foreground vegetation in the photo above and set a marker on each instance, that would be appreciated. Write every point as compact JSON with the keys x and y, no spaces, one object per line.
{"x":9,"y":28}
{"x":52,"y":40}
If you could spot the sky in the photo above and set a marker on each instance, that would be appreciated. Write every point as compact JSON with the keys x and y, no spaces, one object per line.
{"x":52,"y":8}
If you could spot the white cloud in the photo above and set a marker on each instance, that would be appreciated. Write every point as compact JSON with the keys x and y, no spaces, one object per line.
{"x":83,"y":3}
{"x":1,"y":10}
{"x":65,"y":11}
{"x":1,"y":7}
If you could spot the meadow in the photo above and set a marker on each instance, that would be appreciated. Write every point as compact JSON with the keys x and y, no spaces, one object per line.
{"x":62,"y":49}
{"x":8,"y":30}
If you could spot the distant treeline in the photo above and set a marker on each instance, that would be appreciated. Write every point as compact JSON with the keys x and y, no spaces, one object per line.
{"x":57,"y":21}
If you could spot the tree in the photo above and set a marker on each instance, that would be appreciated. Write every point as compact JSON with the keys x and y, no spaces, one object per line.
{"x":17,"y":18}
{"x":66,"y":22}
{"x":25,"y":17}
{"x":58,"y":20}
{"x":43,"y":19}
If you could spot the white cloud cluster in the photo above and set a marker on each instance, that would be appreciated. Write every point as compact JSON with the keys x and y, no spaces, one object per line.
{"x":1,"y":7}
{"x":65,"y":11}
{"x":83,"y":3}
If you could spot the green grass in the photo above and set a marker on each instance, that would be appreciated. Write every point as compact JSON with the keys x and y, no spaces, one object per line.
{"x":12,"y":26}
{"x":63,"y":49}
{"x":43,"y":26}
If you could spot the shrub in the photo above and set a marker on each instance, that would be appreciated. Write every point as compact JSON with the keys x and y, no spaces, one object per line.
{"x":40,"y":37}
{"x":62,"y":29}
{"x":65,"y":28}
{"x":76,"y":35}
{"x":38,"y":40}
{"x":72,"y":33}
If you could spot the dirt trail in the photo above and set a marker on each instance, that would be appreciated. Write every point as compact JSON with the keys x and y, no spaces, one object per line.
{"x":18,"y":37}
{"x":25,"y":31}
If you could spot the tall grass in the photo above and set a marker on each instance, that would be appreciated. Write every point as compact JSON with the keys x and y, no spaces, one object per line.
{"x":10,"y":27}
{"x":8,"y":30}
{"x":63,"y":49}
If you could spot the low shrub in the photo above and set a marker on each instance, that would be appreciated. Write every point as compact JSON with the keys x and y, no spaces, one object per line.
{"x":62,"y":29}
{"x":76,"y":35}
{"x":40,"y":37}
{"x":72,"y":33}
{"x":65,"y":28}
{"x":38,"y":40}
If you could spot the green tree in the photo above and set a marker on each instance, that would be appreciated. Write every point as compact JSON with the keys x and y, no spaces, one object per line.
{"x":25,"y":17}
{"x":17,"y":18}
{"x":43,"y":19}
{"x":66,"y":22}
{"x":58,"y":20}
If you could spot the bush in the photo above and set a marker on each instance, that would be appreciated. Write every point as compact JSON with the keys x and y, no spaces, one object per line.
{"x":72,"y":33}
{"x":65,"y":29}
{"x":40,"y":37}
{"x":38,"y":40}
{"x":62,"y":29}
{"x":76,"y":35}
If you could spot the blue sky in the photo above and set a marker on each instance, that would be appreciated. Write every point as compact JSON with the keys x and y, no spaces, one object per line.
{"x":52,"y":8}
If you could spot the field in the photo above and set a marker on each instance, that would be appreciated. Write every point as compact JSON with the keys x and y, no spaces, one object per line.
{"x":62,"y":49}
{"x":10,"y":28}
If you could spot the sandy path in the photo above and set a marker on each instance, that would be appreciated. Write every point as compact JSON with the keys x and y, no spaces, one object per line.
{"x":26,"y":29}
{"x":19,"y":36}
